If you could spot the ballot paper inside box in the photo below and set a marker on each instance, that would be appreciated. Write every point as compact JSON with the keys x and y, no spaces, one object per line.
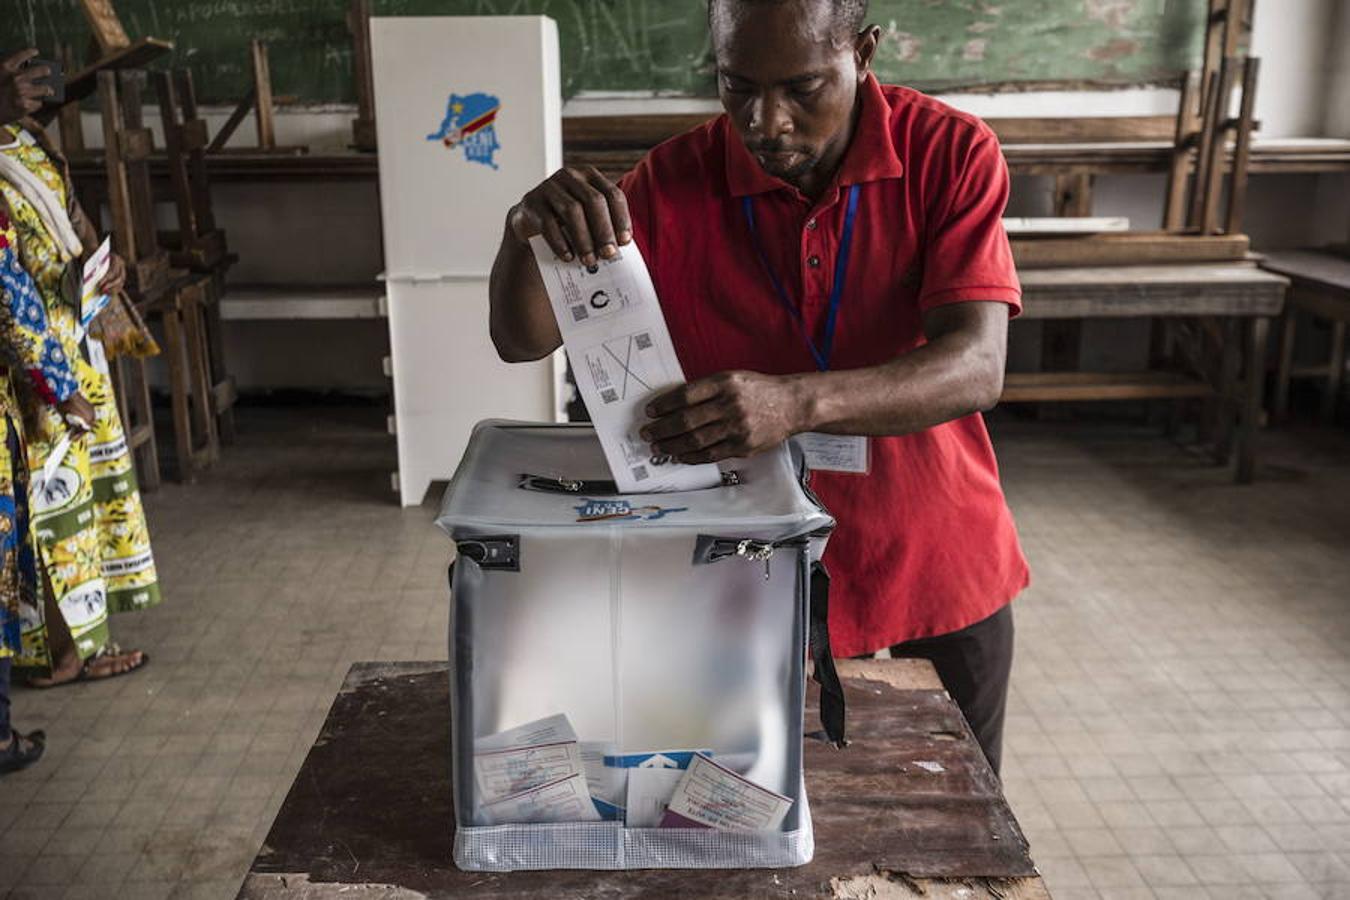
{"x":594,"y":636}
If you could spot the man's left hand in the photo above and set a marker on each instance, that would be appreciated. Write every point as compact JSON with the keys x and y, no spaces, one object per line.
{"x":731,"y":414}
{"x":116,"y":279}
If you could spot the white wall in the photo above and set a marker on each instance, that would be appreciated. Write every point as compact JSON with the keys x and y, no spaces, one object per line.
{"x":1338,"y":90}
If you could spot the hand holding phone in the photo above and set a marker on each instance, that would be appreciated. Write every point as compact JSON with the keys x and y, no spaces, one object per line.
{"x":26,"y":83}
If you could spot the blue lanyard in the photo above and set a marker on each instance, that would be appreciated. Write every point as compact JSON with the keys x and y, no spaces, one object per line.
{"x":823,"y":352}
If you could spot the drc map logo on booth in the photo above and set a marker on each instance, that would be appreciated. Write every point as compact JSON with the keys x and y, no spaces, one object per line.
{"x":468,"y":124}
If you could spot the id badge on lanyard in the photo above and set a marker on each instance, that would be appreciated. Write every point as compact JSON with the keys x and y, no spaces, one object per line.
{"x":848,"y":453}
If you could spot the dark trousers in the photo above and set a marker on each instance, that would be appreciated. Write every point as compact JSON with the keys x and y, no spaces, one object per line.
{"x":974,"y":664}
{"x":4,"y":699}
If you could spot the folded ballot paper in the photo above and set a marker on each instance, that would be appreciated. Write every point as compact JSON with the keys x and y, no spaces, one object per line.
{"x":712,"y":796}
{"x":533,"y":773}
{"x":541,"y":773}
{"x":621,"y":353}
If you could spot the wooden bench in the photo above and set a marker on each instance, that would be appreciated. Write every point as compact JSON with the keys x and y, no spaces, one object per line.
{"x":909,"y":809}
{"x":1236,"y":301}
{"x":1319,"y":289}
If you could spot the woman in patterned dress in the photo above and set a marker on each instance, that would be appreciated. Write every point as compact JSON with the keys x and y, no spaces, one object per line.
{"x":30,"y":356}
{"x":93,"y":543}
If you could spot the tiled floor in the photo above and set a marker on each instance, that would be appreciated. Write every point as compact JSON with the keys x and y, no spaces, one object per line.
{"x":1180,"y":719}
{"x":1180,"y":713}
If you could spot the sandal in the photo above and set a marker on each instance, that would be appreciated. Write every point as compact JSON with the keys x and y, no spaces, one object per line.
{"x":23,"y":751}
{"x":86,"y":672}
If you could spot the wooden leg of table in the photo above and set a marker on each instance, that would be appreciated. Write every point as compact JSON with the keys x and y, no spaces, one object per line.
{"x":1335,"y":372}
{"x":179,"y":391}
{"x":150,"y":476}
{"x":1288,"y":332}
{"x":1253,"y":391}
{"x":138,"y":422}
{"x":215,"y":338}
{"x":1226,"y":407}
{"x":1061,"y":346}
{"x":199,"y":377}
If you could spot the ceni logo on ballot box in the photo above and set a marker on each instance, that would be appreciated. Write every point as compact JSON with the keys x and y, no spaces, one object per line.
{"x":622,"y":511}
{"x":469,"y":124}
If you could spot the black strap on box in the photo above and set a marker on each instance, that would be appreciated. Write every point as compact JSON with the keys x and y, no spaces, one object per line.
{"x":832,"y":706}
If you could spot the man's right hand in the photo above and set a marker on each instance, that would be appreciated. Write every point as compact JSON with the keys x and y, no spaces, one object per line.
{"x":581,"y":213}
{"x":20,"y":93}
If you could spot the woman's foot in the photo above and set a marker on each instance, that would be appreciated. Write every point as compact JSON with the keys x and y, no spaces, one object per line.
{"x":109,"y":662}
{"x":21,"y":751}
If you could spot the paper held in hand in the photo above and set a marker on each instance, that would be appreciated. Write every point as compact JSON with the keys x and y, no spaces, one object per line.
{"x":92,"y":301}
{"x":622,"y":356}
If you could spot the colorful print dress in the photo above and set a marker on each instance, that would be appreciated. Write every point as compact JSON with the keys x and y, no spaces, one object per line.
{"x":30,"y":357}
{"x":92,"y":536}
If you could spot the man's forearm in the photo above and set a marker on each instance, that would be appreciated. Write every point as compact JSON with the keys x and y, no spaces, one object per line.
{"x":951,"y":376}
{"x":522,"y":324}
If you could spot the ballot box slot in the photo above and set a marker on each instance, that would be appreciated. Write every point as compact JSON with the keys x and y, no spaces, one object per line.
{"x":599,"y":487}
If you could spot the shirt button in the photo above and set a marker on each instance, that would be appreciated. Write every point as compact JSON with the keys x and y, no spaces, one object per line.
{"x":813,"y":262}
{"x":810,"y":224}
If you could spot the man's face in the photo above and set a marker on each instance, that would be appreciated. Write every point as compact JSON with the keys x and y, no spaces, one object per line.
{"x":789,"y":81}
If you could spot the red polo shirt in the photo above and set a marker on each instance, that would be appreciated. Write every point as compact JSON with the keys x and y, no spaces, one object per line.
{"x":925,"y":544}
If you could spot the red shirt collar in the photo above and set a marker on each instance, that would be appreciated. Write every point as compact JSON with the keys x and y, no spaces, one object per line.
{"x":870,"y":155}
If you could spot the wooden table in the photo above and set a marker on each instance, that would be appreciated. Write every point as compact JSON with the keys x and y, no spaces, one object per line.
{"x":1233,"y":301}
{"x":370,"y":812}
{"x":1321,"y":290}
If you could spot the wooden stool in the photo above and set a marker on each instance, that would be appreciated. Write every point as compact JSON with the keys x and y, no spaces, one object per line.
{"x":131,"y":386}
{"x":128,"y":145}
{"x":198,"y":245}
{"x":180,"y":312}
{"x":1320,"y":288}
{"x":174,"y":297}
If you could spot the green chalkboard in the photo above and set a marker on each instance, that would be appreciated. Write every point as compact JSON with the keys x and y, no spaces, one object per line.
{"x":660,"y":45}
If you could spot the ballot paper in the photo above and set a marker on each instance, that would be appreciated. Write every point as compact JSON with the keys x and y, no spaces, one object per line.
{"x":55,"y":458}
{"x":622,"y":356}
{"x":712,"y":796}
{"x":607,"y":783}
{"x":92,"y":300}
{"x":551,"y":730}
{"x":503,"y":773}
{"x":564,"y":800}
{"x":530,"y":773}
{"x":654,"y":759}
{"x":649,"y":792}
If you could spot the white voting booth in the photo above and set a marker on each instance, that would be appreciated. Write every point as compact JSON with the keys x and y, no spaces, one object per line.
{"x":468,"y":112}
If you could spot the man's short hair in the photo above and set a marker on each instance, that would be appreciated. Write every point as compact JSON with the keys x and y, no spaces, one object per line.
{"x":849,"y":15}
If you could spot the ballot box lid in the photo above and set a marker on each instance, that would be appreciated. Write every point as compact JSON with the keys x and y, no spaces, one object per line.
{"x":524,"y":474}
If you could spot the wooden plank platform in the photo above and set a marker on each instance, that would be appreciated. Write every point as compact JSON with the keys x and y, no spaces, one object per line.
{"x":136,"y":56}
{"x":1211,"y":289}
{"x":1128,"y":249}
{"x":370,"y":812}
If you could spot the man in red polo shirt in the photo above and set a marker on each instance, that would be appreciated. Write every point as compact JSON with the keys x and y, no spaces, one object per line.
{"x":832,"y":264}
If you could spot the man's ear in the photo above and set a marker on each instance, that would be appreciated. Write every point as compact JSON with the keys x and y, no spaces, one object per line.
{"x":865,"y":49}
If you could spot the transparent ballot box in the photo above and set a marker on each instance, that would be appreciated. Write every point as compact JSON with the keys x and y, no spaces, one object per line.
{"x":628,"y":671}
